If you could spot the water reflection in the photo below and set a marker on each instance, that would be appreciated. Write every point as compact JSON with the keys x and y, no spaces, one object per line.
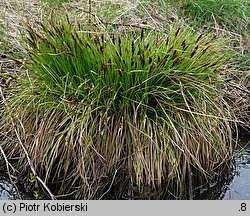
{"x":7,"y":190}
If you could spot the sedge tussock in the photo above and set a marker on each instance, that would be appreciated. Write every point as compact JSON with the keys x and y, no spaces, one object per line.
{"x":111,"y":116}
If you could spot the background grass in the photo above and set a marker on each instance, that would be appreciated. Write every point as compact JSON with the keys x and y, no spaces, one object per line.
{"x":227,"y":14}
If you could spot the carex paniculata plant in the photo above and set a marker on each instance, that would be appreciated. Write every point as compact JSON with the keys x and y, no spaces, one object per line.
{"x":132,"y":113}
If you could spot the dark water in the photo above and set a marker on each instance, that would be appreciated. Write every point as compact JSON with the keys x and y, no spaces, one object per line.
{"x":236,"y":184}
{"x":235,"y":187}
{"x":239,"y":187}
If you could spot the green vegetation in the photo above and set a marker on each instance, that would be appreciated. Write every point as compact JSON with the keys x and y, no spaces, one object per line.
{"x":232,"y":15}
{"x":129,"y":104}
{"x":55,"y":1}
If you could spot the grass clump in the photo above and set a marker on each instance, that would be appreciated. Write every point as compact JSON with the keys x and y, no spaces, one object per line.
{"x":134,"y":114}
